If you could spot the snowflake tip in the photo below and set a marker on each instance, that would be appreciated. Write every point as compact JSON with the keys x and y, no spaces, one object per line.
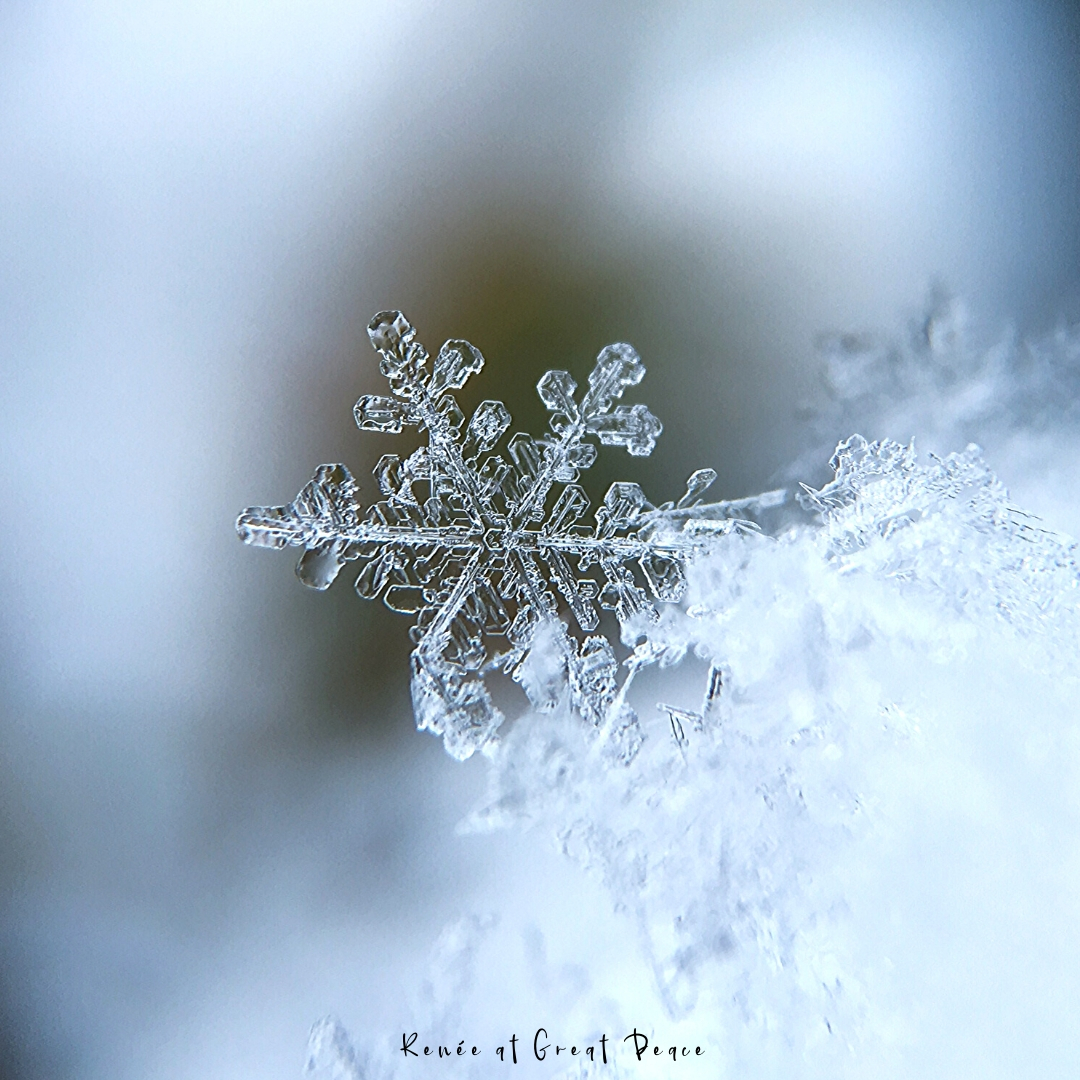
{"x":456,"y":362}
{"x":390,"y":332}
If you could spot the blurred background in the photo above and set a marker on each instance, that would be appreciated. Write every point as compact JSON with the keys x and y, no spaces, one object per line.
{"x":217,"y":821}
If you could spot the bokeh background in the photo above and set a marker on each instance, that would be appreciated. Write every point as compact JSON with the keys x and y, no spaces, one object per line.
{"x":217,"y":822}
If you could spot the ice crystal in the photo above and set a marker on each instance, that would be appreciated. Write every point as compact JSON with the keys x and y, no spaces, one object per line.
{"x":330,"y":1053}
{"x":949,"y":526}
{"x":736,"y":839}
{"x":475,"y":544}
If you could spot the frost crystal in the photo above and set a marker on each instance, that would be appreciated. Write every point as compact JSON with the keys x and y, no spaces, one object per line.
{"x":476,"y":544}
{"x":330,"y":1053}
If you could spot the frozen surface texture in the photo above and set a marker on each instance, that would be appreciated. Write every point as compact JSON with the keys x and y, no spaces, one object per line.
{"x":480,"y":548}
{"x":948,"y":526}
{"x":848,"y":847}
{"x":872,"y":660}
{"x":330,"y":1053}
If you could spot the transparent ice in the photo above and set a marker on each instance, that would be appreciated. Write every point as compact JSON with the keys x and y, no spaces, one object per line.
{"x":476,"y":545}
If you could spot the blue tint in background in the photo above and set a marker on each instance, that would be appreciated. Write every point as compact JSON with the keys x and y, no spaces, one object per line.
{"x":216,"y":820}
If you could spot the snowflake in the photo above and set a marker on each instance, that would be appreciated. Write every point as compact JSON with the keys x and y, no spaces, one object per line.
{"x":476,"y":560}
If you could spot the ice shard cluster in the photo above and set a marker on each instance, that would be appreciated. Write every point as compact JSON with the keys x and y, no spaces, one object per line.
{"x":479,"y":544}
{"x":846,"y":838}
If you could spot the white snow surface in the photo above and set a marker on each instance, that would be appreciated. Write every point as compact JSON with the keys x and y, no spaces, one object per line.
{"x":867,"y":860}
